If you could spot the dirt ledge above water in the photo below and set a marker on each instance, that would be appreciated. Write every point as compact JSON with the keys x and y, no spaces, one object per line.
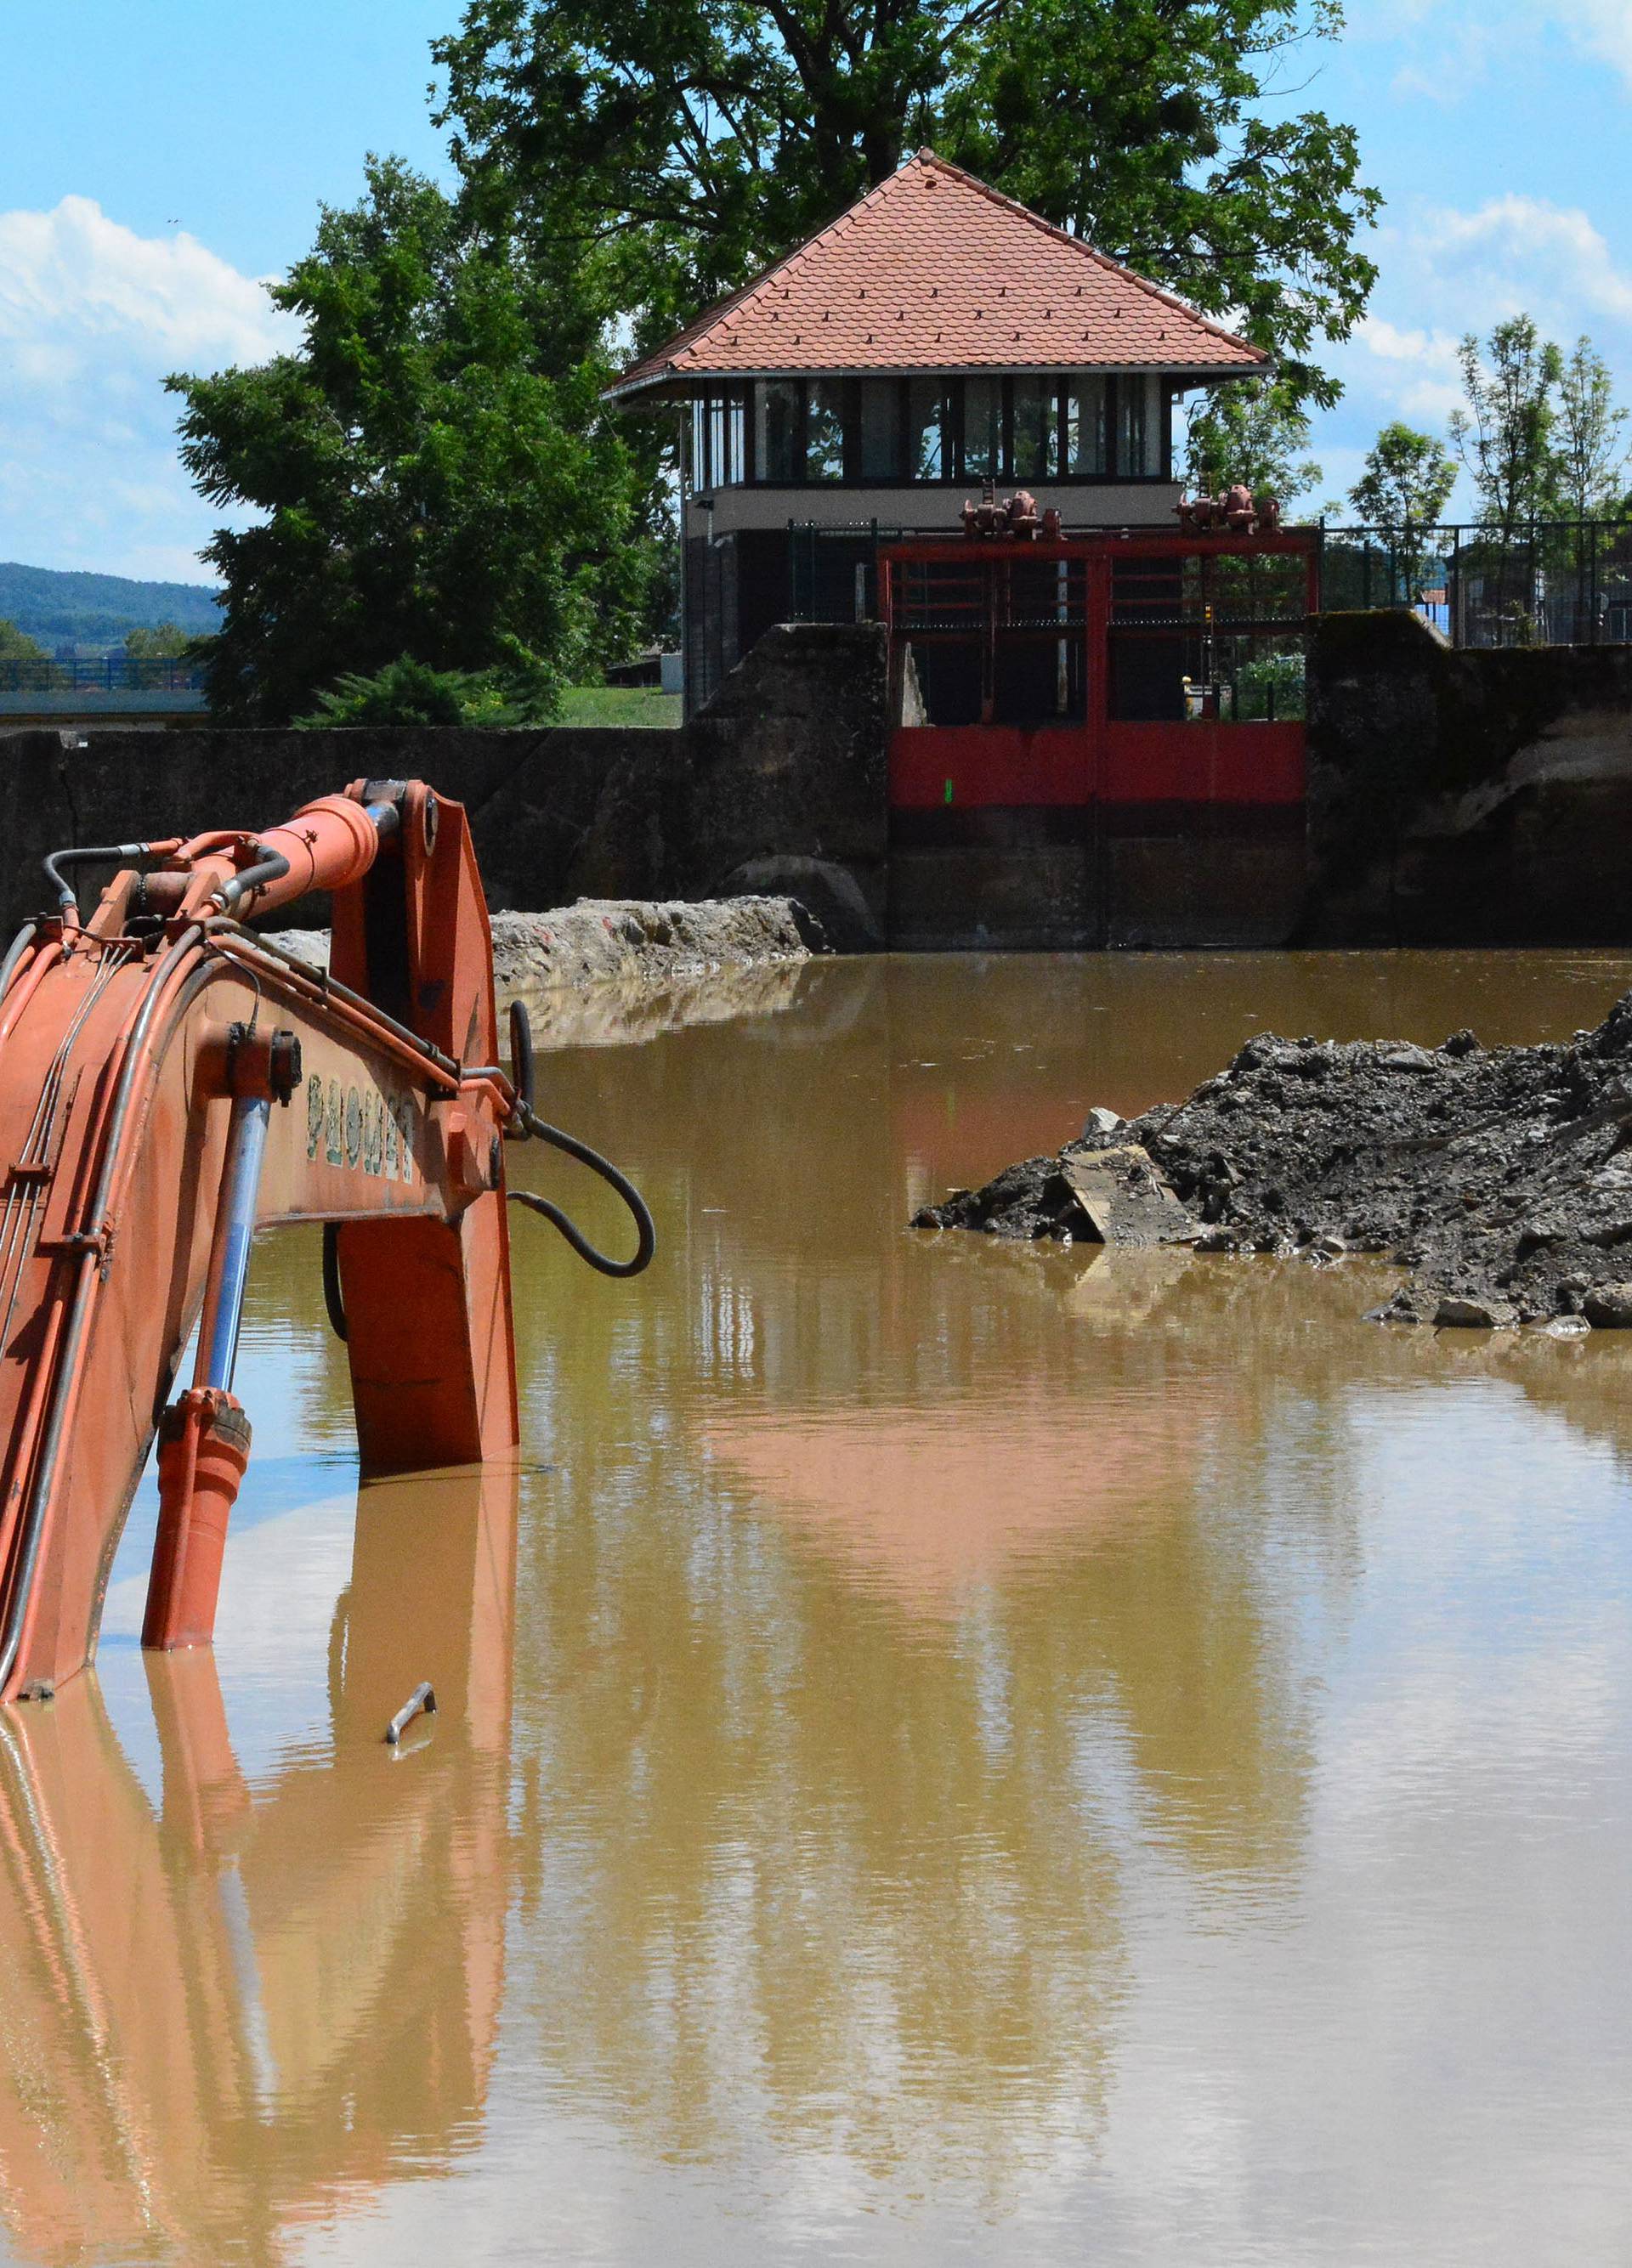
{"x":616,"y":971}
{"x":651,"y":941}
{"x":1500,"y":1179}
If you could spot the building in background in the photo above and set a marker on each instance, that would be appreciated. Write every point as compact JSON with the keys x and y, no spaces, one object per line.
{"x":935,"y":337}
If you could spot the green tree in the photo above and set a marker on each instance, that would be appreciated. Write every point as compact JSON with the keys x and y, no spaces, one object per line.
{"x":437,"y":480}
{"x":680,"y":144}
{"x":164,"y":642}
{"x":1590,"y":452}
{"x":1404,"y":489}
{"x":406,"y":692}
{"x":1504,"y":435}
{"x":1250,"y":431}
{"x":17,"y":645}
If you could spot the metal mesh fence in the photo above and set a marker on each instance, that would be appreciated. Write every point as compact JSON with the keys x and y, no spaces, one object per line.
{"x":118,"y":674}
{"x":1556,"y":582}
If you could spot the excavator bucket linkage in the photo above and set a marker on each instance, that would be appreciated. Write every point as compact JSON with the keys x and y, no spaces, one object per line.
{"x":169,"y":1082}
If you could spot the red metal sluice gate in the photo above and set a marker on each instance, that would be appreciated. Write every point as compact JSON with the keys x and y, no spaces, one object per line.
{"x":1105,"y":672}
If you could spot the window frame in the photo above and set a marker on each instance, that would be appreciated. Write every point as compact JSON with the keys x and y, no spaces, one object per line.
{"x":749,"y":393}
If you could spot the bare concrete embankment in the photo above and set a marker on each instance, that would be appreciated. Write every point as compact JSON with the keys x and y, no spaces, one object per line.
{"x":652,"y":942}
{"x":610,"y":971}
{"x":1500,"y":1178}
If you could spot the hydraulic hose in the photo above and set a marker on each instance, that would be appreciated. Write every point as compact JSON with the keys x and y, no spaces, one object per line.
{"x":17,"y":947}
{"x":271,"y":867}
{"x":525,"y":1124}
{"x":645,"y":1231}
{"x":521,"y":1052}
{"x":117,"y":854}
{"x":38,"y":1495}
{"x":326,"y":987}
{"x":334,"y":1297}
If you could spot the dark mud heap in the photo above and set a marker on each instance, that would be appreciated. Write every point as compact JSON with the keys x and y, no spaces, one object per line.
{"x":1500,"y":1179}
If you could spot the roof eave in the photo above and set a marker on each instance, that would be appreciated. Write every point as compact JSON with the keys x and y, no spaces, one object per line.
{"x":667,"y":386}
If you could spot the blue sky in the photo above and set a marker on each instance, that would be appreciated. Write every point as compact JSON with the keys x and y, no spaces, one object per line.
{"x":156,"y":161}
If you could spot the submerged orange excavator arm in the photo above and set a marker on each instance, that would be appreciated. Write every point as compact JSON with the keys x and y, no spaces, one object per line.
{"x":169,"y":1081}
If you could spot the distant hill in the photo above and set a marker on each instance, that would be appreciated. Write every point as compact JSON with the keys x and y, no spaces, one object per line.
{"x":97,"y":611}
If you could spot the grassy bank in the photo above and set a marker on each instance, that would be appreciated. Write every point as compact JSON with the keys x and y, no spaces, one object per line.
{"x":619,"y":705}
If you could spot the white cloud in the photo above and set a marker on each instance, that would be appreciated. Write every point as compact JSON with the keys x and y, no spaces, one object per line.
{"x":1453,"y":47}
{"x":1551,"y":259}
{"x":92,"y":317}
{"x":1461,"y":60}
{"x":1604,"y":28}
{"x":1420,"y":369}
{"x":1434,"y":350}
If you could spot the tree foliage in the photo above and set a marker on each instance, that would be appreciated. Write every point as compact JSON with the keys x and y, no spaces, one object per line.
{"x":17,"y":645}
{"x":1405,"y":487}
{"x":1407,"y":483}
{"x":437,"y":479}
{"x":408,"y":693}
{"x":680,"y":144}
{"x":1590,"y":453}
{"x":1251,"y":432}
{"x":162,"y":642}
{"x":1504,"y":436}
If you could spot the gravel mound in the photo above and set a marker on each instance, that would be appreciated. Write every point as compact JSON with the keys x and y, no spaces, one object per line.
{"x":1500,"y":1179}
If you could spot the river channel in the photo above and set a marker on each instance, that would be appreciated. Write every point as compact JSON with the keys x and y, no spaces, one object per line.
{"x":945,"y":1751}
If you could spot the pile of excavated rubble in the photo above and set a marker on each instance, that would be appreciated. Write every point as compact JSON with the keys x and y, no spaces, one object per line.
{"x":1500,"y":1178}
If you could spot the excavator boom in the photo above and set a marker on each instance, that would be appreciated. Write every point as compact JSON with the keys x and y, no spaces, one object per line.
{"x":170,"y":1082}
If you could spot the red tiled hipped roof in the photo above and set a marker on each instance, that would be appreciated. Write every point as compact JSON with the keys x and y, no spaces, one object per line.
{"x":933,"y":270}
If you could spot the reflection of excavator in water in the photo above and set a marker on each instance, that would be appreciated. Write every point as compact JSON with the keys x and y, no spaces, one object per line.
{"x":169,"y":1081}
{"x":246,"y":2008}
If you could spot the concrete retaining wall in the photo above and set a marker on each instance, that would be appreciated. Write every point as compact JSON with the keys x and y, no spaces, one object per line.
{"x":779,"y":786}
{"x":1464,"y":797}
{"x":1454,"y":797}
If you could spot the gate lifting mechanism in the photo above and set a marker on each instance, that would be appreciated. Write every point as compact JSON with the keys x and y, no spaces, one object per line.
{"x":169,"y":1082}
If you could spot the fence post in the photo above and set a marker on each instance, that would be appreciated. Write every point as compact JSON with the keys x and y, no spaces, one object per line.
{"x":1455,"y":592}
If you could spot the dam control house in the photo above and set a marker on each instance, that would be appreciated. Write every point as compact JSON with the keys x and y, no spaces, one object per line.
{"x":1094,"y":674}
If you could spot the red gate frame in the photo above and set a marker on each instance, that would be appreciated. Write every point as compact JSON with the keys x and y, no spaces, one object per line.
{"x":1100,"y":761}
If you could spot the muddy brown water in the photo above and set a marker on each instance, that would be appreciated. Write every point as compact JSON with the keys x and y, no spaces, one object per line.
{"x":945,"y":1751}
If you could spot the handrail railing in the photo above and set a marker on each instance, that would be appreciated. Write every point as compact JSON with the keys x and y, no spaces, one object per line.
{"x":112,"y":674}
{"x":1545,"y":583}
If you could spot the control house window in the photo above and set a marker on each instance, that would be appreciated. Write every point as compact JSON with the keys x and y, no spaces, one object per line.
{"x":1036,"y":429}
{"x":825,"y":429}
{"x":929,"y":430}
{"x":779,"y":445}
{"x":983,"y":427}
{"x":1086,"y":427}
{"x":1136,"y":429}
{"x":718,"y":440}
{"x":933,"y":429}
{"x":880,"y":429}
